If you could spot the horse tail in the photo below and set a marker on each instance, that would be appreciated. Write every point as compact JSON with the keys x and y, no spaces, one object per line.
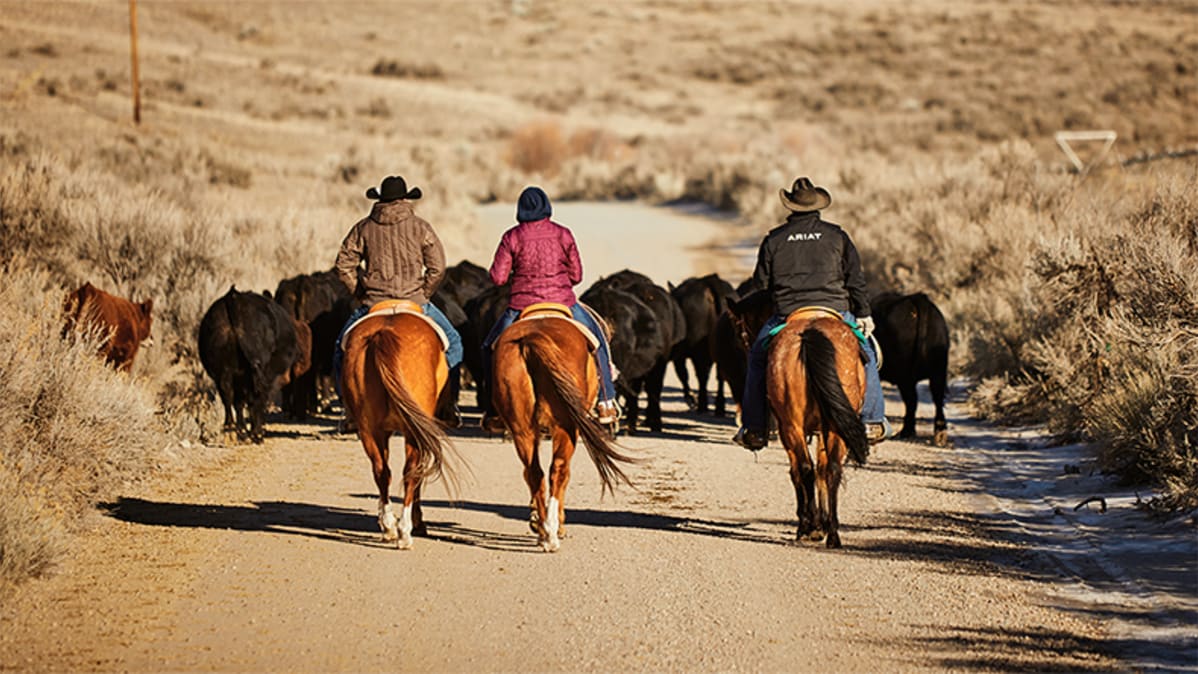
{"x":540,"y":351}
{"x":420,"y":429}
{"x":818,"y":355}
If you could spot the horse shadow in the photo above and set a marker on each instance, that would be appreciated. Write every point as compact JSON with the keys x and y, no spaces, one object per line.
{"x":282,"y":517}
{"x":587,"y":517}
{"x":359,"y":527}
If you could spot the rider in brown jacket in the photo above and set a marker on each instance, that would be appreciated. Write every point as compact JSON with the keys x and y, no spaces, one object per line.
{"x":394,"y":254}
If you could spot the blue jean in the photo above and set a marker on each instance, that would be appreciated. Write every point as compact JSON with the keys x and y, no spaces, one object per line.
{"x":581,"y":315}
{"x":453,"y":354}
{"x":753,"y":403}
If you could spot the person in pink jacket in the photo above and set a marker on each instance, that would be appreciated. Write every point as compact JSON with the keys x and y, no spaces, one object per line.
{"x":540,"y":259}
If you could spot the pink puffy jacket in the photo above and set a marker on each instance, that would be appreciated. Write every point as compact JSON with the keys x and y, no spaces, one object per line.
{"x":541,"y":260}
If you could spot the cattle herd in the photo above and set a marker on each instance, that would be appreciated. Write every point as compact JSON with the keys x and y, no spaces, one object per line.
{"x":257,"y":345}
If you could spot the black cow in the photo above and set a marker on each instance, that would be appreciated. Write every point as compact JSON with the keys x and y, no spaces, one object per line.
{"x":323,"y":302}
{"x":482,"y":311}
{"x":666,"y":330}
{"x":729,"y":355}
{"x":702,"y":301}
{"x":462,"y":282}
{"x":639,"y":350}
{"x":914,"y":340}
{"x":247,"y":342}
{"x":736,"y":331}
{"x":730,"y":349}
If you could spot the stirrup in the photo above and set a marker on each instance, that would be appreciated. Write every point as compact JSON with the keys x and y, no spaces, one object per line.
{"x":878,"y":432}
{"x":608,"y":412}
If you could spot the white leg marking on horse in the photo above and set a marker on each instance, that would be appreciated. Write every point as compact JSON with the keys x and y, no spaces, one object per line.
{"x":552,"y":542}
{"x":387,"y":522}
{"x":405,"y":528}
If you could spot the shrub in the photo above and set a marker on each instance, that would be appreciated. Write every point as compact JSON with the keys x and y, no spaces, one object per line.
{"x":1113,"y":354}
{"x":393,"y":68}
{"x":539,"y":148}
{"x":71,"y":430}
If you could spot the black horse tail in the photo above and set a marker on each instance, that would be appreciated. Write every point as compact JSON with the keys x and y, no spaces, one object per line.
{"x":420,"y":430}
{"x":818,"y":355}
{"x":540,"y":352}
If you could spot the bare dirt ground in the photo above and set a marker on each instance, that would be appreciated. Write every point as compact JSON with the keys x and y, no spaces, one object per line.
{"x":271,"y":561}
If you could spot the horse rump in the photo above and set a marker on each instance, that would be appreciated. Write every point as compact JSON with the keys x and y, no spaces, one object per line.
{"x":818,"y":355}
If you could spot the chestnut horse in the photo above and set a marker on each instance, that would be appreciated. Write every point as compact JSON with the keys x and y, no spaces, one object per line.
{"x":393,"y":374}
{"x":816,"y":385}
{"x":545,"y":377}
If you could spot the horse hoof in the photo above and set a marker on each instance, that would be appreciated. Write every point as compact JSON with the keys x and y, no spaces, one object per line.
{"x":404,"y":543}
{"x":833,"y":540}
{"x":940,"y":439}
{"x":389,"y":536}
{"x":551,"y":545}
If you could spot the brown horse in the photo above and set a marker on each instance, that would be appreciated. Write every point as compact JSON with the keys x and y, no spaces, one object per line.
{"x":393,"y":375}
{"x":816,"y":385}
{"x":546,"y":378}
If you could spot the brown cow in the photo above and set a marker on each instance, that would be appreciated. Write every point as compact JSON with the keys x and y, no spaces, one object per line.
{"x":124,"y":325}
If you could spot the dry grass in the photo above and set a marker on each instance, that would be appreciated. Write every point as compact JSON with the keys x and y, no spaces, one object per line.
{"x":930,"y":123}
{"x":73,"y":430}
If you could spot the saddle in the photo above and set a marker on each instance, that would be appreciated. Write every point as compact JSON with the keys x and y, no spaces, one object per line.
{"x":812,"y":312}
{"x":542,"y":310}
{"x":392,"y":307}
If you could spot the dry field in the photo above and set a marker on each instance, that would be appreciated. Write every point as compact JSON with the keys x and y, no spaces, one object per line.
{"x":1073,"y":299}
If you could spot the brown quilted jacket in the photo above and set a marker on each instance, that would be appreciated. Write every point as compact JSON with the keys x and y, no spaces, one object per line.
{"x":391,"y":254}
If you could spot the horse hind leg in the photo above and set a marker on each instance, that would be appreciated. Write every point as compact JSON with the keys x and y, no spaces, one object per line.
{"x":832,"y":469}
{"x":526,"y":439}
{"x":802,"y":476}
{"x":564,"y":442}
{"x":411,"y":518}
{"x":419,"y":528}
{"x":375,"y":445}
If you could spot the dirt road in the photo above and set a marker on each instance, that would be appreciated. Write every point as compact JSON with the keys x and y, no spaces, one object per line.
{"x":272,"y":562}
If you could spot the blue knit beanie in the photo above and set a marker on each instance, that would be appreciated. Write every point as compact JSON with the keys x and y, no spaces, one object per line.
{"x":533,"y":205}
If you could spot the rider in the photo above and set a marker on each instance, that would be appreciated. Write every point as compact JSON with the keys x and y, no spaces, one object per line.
{"x":808,"y":262}
{"x":540,"y":259}
{"x":394,"y":254}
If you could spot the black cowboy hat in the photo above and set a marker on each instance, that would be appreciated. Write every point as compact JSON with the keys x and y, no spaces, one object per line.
{"x":804,"y":197}
{"x":393,"y":189}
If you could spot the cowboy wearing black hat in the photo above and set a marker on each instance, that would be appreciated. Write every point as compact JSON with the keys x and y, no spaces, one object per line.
{"x":807,"y":261}
{"x":394,"y":254}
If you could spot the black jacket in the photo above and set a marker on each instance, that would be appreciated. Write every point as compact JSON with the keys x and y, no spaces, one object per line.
{"x":808,"y":262}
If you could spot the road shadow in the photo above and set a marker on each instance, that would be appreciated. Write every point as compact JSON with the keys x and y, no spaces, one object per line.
{"x":281,"y":517}
{"x":626,"y":519}
{"x":1032,"y":649}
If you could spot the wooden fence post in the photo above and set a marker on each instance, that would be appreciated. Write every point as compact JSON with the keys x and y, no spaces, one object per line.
{"x":133,"y":53}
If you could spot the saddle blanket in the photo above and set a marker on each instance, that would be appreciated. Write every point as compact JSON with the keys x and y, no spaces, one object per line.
{"x":391,"y":308}
{"x":814,"y":312}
